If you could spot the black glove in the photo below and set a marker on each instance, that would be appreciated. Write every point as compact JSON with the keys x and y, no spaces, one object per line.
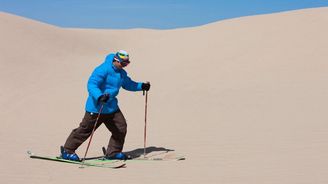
{"x":145,"y":86}
{"x":103,"y":98}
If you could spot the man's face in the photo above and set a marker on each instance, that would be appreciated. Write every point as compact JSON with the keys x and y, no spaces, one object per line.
{"x":120,"y":65}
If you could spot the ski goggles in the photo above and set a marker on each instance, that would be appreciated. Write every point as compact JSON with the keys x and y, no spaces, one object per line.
{"x":125,"y":63}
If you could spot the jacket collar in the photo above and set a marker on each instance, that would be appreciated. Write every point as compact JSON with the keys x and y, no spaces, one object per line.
{"x":115,"y":68}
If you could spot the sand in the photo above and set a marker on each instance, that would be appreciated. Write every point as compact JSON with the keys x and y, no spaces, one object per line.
{"x":243,"y":99}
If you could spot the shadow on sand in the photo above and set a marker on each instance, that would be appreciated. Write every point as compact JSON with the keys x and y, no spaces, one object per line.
{"x":140,"y":151}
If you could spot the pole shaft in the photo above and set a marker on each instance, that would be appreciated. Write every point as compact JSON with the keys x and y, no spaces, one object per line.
{"x":93,"y":130}
{"x":145,"y":128}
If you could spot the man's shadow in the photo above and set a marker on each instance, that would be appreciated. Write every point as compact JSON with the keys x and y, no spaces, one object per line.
{"x":137,"y":152}
{"x":140,"y":151}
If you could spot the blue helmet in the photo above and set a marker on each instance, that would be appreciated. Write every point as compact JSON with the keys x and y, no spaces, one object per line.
{"x":122,"y":56}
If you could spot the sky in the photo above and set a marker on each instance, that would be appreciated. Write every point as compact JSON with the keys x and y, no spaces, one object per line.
{"x":153,"y":14}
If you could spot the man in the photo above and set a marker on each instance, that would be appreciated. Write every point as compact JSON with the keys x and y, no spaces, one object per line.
{"x":103,"y":87}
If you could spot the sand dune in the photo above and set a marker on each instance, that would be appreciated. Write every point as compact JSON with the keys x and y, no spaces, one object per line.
{"x":244,"y":99}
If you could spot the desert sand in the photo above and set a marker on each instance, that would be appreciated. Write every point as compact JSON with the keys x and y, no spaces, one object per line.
{"x":245,"y":99}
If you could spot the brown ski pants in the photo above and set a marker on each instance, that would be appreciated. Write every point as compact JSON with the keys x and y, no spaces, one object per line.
{"x":114,"y":122}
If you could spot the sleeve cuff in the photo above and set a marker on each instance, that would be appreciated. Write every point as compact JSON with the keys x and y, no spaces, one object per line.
{"x":139,"y":86}
{"x":97,"y":96}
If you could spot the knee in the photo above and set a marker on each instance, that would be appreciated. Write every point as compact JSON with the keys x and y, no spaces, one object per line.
{"x":123,"y":131}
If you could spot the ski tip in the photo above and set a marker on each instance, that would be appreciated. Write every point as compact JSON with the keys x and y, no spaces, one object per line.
{"x":181,"y":158}
{"x":120,"y":166}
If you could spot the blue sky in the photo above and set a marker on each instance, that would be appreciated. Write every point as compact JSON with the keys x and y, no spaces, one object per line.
{"x":155,"y":14}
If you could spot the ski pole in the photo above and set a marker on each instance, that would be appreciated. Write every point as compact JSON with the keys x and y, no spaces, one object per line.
{"x":93,"y":130}
{"x":145,"y":128}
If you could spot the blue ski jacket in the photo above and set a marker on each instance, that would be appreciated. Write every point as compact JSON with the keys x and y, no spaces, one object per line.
{"x":106,"y":78}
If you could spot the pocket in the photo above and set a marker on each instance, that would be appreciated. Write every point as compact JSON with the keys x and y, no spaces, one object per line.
{"x":89,"y":117}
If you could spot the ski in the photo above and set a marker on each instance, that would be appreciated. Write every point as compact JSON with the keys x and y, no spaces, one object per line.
{"x":162,"y":156}
{"x":91,"y":162}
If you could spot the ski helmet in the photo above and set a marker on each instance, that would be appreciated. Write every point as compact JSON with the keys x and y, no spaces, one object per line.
{"x":122,"y":56}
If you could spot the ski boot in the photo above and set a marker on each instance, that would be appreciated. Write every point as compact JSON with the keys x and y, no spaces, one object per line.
{"x":68,"y":156}
{"x":118,"y":156}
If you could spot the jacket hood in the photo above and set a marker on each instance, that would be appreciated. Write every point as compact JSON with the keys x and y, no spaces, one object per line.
{"x":109,"y":58}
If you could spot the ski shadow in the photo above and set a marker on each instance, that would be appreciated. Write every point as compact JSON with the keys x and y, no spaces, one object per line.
{"x":151,"y":149}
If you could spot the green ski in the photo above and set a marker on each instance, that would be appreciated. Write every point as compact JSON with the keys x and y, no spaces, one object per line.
{"x":88,"y":162}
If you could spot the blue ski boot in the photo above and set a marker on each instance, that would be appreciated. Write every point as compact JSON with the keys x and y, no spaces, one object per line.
{"x":118,"y":156}
{"x":68,"y":156}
